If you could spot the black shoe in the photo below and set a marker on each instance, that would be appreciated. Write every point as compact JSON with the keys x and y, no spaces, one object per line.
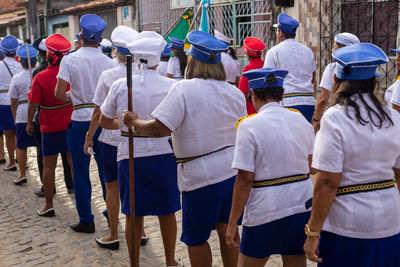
{"x":70,"y":190}
{"x":39,"y":193}
{"x":83,"y":227}
{"x":12,"y":168}
{"x":114,"y":245}
{"x":48,"y":213}
{"x":144,"y":240}
{"x":3,"y":161}
{"x":20,"y":181}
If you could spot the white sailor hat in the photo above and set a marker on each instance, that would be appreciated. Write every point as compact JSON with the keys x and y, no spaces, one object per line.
{"x":92,"y":27}
{"x":222,"y":37}
{"x":105,"y":43}
{"x":265,"y":77}
{"x":121,"y":36}
{"x":346,"y":39}
{"x":42,"y":45}
{"x":359,"y":61}
{"x":147,"y":48}
{"x":205,"y":47}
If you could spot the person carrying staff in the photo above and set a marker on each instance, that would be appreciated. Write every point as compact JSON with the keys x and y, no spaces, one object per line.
{"x":299,"y":60}
{"x":203,"y":147}
{"x":355,"y":217}
{"x":156,"y":188}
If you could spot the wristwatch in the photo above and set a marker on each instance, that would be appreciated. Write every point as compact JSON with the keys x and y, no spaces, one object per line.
{"x":308,"y":231}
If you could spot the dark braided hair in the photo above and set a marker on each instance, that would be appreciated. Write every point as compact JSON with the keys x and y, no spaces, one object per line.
{"x":345,"y":89}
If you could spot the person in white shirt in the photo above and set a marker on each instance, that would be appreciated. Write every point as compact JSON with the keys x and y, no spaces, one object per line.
{"x":18,"y":93}
{"x":298,"y":59}
{"x":202,"y":140}
{"x":394,"y":87}
{"x":341,"y":40}
{"x":229,"y":60}
{"x":8,"y":68}
{"x":177,"y":63}
{"x":163,"y":65}
{"x":81,"y":69}
{"x":156,"y":188}
{"x":355,"y":217}
{"x":272,"y":222}
{"x":109,"y":139}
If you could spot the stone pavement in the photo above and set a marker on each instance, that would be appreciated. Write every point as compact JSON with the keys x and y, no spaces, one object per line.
{"x":29,"y":240}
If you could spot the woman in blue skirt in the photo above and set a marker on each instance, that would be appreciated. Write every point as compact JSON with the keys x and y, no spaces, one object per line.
{"x":355,"y":218}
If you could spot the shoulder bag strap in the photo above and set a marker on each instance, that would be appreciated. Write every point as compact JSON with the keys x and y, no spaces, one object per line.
{"x":8,"y":68}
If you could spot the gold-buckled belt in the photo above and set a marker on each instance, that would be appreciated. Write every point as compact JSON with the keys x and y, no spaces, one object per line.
{"x":281,"y":180}
{"x":54,"y":107}
{"x":4,"y":91}
{"x":359,"y":188}
{"x":184,"y":160}
{"x":22,"y":102}
{"x":298,"y":94}
{"x":87,"y":105}
{"x":135,"y":134}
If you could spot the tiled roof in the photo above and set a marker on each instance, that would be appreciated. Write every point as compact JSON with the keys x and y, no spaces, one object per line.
{"x":96,"y":4}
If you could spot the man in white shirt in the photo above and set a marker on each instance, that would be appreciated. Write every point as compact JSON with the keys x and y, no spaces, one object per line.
{"x":298,"y":59}
{"x":81,"y":69}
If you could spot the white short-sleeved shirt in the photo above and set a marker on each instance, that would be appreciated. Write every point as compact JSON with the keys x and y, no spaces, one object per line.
{"x":19,"y":89}
{"x":362,"y":154}
{"x":231,"y":66}
{"x":201,"y":115}
{"x":106,"y":79}
{"x":327,"y":78}
{"x":162,"y":68}
{"x":392,"y":94}
{"x":5,"y":77}
{"x":174,"y":68}
{"x":299,"y":60}
{"x":82,"y":70}
{"x":274,"y":143}
{"x":146,"y":97}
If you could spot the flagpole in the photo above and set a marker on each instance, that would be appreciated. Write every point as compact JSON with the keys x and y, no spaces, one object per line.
{"x":131,"y":173}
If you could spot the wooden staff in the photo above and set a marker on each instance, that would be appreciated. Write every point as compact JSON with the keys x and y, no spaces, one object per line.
{"x":131,"y":173}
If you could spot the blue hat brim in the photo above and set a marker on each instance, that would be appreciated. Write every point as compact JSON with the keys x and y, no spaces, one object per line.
{"x":395,"y":50}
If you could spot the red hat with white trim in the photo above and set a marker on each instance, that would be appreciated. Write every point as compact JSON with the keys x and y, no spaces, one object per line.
{"x":57,"y":42}
{"x":253,"y":46}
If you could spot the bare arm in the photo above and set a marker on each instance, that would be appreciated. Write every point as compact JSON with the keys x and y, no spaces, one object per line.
{"x":170,"y":75}
{"x":313,"y":78}
{"x":107,"y":123}
{"x":61,"y":90}
{"x":312,"y":170}
{"x":241,"y":192}
{"x":397,"y":177}
{"x":13,"y":104}
{"x":322,"y":102}
{"x":396,"y":107}
{"x":152,"y":128}
{"x":31,"y":113}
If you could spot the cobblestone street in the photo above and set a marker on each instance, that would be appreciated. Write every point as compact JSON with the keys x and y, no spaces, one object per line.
{"x":29,"y":240}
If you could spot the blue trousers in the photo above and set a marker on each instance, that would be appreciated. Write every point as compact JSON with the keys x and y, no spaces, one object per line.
{"x":80,"y":161}
{"x":306,"y":110}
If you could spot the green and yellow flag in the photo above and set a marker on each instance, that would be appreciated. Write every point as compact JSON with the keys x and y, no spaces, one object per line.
{"x":181,"y":29}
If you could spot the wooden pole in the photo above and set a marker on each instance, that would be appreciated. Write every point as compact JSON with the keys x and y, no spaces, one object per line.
{"x":131,"y":173}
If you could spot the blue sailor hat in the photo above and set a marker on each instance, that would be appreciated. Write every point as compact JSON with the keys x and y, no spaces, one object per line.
{"x":176,"y":43}
{"x":9,"y":44}
{"x":166,"y":51}
{"x":359,"y":61}
{"x":287,"y":24}
{"x":121,"y":36}
{"x":23,"y":55}
{"x":92,"y":27}
{"x":396,"y":50}
{"x":205,"y":47}
{"x":260,"y":78}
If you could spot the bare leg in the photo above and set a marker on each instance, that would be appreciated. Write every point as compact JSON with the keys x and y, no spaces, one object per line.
{"x":49,"y":167}
{"x":138,"y":225}
{"x":200,"y":256}
{"x":22,"y":157}
{"x":168,"y":232}
{"x":294,"y":260}
{"x":245,"y":261}
{"x":229,"y":254}
{"x":112,"y":203}
{"x":1,"y":147}
{"x":10,"y":144}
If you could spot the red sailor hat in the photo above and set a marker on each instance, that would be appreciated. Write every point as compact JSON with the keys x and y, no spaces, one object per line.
{"x":57,"y":42}
{"x":253,"y":46}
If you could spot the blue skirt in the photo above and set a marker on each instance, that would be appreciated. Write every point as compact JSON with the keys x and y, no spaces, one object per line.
{"x":54,"y":143}
{"x":156,"y":186}
{"x":6,"y":118}
{"x":336,"y":250}
{"x":109,"y":158}
{"x":24,"y":140}
{"x":284,"y":236}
